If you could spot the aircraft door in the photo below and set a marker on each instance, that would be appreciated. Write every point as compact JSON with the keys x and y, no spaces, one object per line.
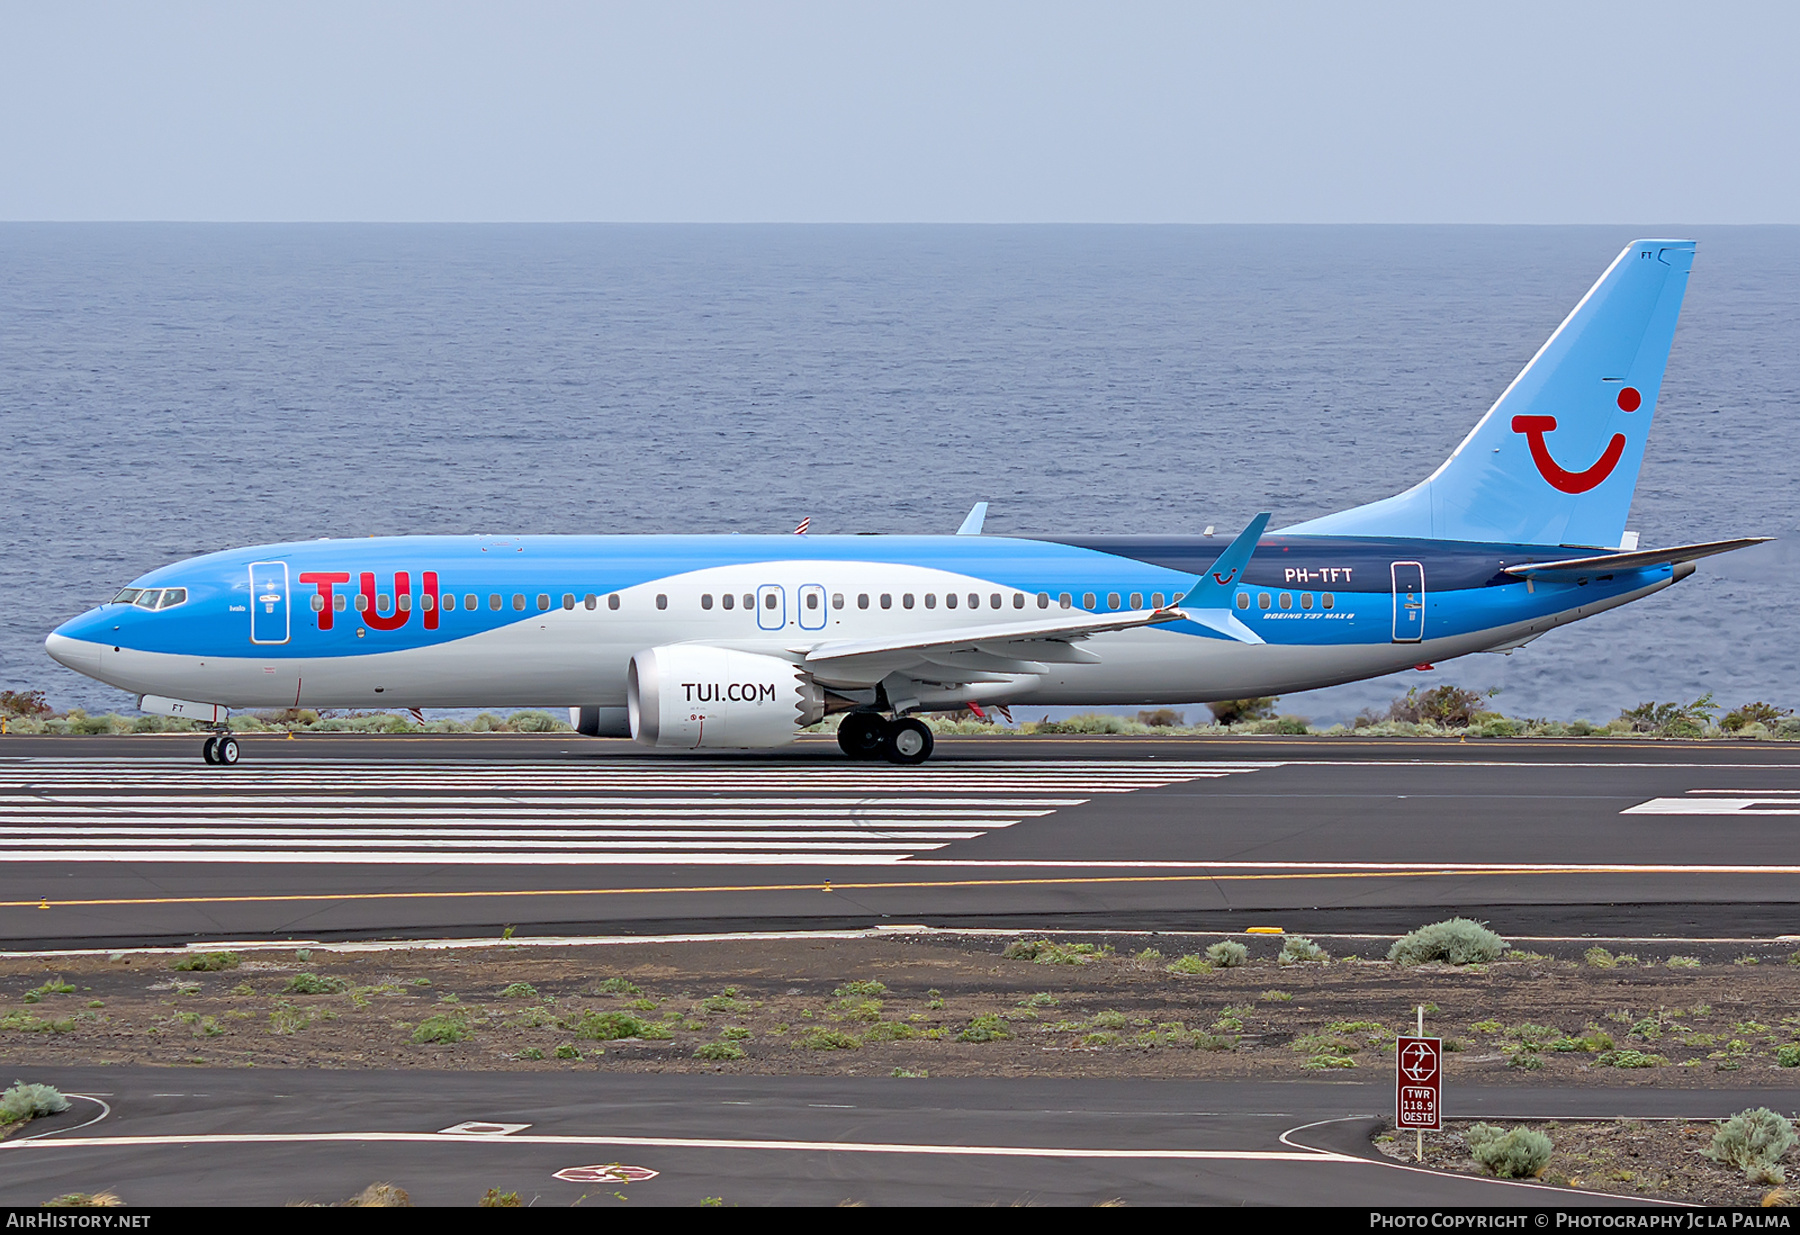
{"x":1409,"y":602}
{"x":812,"y":607}
{"x":771,"y":606}
{"x":268,"y":602}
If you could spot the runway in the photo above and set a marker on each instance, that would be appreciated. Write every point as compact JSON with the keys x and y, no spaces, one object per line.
{"x":160,"y":1137}
{"x":132,"y":841}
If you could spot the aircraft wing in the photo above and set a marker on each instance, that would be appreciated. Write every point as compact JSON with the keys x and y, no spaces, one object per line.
{"x":976,"y":653}
{"x":1606,"y":563}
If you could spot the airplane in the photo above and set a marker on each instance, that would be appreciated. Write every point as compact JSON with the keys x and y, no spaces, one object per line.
{"x":734,"y":641}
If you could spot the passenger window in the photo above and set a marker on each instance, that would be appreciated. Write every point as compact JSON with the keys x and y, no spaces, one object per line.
{"x":662,"y":601}
{"x":318,"y":604}
{"x":148,"y":599}
{"x":428,"y":602}
{"x":568,"y":600}
{"x":590,"y":601}
{"x":338,"y":602}
{"x":406,"y":602}
{"x":706,"y":600}
{"x":837,"y":600}
{"x":974,"y":600}
{"x":728,"y":601}
{"x":1043,"y":600}
{"x":770,"y":600}
{"x":1287,"y":600}
{"x":1018,"y":600}
{"x":887,"y":600}
{"x":1243,"y":600}
{"x":383,"y":602}
{"x":1328,"y":601}
{"x":862,"y":600}
{"x":362,"y":603}
{"x":1156,"y":600}
{"x":812,"y":600}
{"x":931,"y":600}
{"x":1306,"y":601}
{"x":1088,"y":602}
{"x":1066,"y":601}
{"x":906,"y":600}
{"x":494,"y":601}
{"x":1262,"y":600}
{"x":750,"y":601}
{"x":1137,"y":600}
{"x":174,"y":596}
{"x":519,"y":601}
{"x":612,"y":602}
{"x":543,"y":601}
{"x":1112,"y":600}
{"x":949,"y":600}
{"x":448,"y":603}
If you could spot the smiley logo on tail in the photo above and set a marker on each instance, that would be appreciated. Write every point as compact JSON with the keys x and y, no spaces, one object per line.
{"x":1560,"y":478}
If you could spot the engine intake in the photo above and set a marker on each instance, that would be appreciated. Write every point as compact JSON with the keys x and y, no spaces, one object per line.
{"x":691,"y":696}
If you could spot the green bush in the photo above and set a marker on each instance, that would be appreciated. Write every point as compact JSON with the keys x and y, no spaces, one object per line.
{"x":444,"y":1027}
{"x":611,"y":1026}
{"x":617,"y":986}
{"x":1227,"y":953}
{"x":718,"y":1051}
{"x":865,"y":990}
{"x":1236,"y":711}
{"x":208,"y":962}
{"x":1629,"y":1059}
{"x":984,"y":1029}
{"x":519,"y":990}
{"x":535,"y":722}
{"x":24,"y":1101}
{"x":313,"y":984}
{"x":830,"y":1040}
{"x":1458,"y":941}
{"x":1788,"y":1056}
{"x":1298,"y":949}
{"x":1519,"y":1154}
{"x":1754,"y":1141}
{"x":1670,"y":720}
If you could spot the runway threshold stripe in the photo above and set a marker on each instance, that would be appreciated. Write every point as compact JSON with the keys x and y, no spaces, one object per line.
{"x":840,"y":886}
{"x":679,"y":1142}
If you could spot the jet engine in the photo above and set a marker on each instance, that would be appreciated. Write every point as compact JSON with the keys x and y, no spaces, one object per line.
{"x":691,"y":695}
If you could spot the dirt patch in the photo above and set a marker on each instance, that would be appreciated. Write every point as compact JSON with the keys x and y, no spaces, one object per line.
{"x":954,"y":1004}
{"x":1658,"y":1159}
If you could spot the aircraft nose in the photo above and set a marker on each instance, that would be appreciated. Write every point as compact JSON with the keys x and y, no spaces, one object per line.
{"x":78,"y":654}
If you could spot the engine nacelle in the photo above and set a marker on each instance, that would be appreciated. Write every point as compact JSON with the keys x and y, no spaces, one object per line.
{"x":691,"y":695}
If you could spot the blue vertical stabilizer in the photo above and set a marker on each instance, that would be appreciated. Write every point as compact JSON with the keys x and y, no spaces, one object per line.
{"x":1556,"y":459}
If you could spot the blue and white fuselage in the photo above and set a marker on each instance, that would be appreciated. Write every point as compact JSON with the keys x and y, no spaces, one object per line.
{"x":743,"y":640}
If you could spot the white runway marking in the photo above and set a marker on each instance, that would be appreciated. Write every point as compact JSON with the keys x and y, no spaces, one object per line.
{"x":1743,"y":802}
{"x":534,"y":814}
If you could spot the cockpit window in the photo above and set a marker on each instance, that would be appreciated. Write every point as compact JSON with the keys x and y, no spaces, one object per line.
{"x":147,"y":599}
{"x":172,"y":597}
{"x":126,"y":595}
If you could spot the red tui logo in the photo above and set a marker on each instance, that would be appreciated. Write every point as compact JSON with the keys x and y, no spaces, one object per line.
{"x":1535,"y":427}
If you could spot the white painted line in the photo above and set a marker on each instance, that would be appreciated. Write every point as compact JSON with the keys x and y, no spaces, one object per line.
{"x":675,"y":1142}
{"x":1742,"y":807}
{"x":353,"y":858}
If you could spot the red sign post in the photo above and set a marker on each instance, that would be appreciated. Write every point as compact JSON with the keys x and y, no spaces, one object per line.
{"x":1419,"y":1083}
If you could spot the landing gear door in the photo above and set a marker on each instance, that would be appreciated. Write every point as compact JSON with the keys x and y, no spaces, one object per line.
{"x":269,"y":602}
{"x":1409,"y":602}
{"x":771,"y":607}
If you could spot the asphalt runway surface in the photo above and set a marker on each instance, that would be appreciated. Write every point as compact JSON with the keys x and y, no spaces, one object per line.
{"x":133,"y":841}
{"x":171,"y":1137}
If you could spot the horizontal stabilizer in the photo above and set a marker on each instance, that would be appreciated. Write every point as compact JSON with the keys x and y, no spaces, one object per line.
{"x":1606,"y":563}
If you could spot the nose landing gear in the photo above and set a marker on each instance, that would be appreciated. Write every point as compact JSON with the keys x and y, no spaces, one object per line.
{"x":221,"y":749}
{"x":868,"y":735}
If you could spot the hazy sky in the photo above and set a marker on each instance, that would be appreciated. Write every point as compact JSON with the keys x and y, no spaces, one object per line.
{"x":1557,"y":112}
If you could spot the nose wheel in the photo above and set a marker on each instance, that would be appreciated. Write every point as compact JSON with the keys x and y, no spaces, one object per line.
{"x":221,"y":750}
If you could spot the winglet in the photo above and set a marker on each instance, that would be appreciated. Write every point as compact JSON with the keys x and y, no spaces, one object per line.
{"x":971,"y":525}
{"x":1208,"y":602}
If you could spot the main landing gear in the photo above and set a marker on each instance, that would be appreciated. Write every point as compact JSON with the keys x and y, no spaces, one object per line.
{"x":221,"y":749}
{"x":869,"y":735}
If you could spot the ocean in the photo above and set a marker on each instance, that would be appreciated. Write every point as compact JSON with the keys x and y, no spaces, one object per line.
{"x":171,"y":389}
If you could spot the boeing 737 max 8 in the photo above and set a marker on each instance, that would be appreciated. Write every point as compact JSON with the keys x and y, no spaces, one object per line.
{"x":743,"y":641}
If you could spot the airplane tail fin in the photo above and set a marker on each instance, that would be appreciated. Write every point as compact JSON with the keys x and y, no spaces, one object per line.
{"x":1556,"y":459}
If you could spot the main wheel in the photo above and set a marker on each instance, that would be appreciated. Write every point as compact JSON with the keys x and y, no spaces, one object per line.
{"x":210,"y":752}
{"x":226,"y":752}
{"x":863,"y":735}
{"x":908,"y":741}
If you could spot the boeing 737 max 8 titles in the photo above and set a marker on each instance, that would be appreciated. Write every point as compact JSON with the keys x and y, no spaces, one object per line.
{"x":743,"y":641}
